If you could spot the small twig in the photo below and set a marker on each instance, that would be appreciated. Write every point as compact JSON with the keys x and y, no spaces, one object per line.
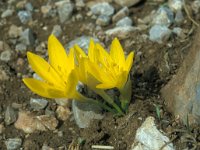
{"x":102,"y":147}
{"x":168,"y":142}
{"x":188,"y":14}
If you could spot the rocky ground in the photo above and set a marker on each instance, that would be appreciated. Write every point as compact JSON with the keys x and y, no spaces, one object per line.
{"x":160,"y":32}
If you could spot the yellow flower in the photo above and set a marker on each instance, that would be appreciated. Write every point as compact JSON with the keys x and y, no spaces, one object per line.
{"x":110,"y":69}
{"x":59,"y":79}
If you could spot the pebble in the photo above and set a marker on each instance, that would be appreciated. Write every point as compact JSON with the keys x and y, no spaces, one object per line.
{"x":57,"y":31}
{"x":24,"y":16}
{"x":126,"y":21}
{"x":30,"y":123}
{"x":121,"y":32}
{"x":179,"y":32}
{"x":10,"y":115}
{"x":179,"y":18}
{"x":159,"y":33}
{"x":14,"y":31}
{"x":29,"y":7}
{"x":46,"y":10}
{"x":84,"y":113}
{"x":63,"y":113}
{"x":164,"y":16}
{"x":3,"y":75}
{"x":27,"y":37}
{"x":176,"y":5}
{"x":103,"y":20}
{"x":6,"y":55}
{"x":38,"y":104}
{"x":21,"y":47}
{"x":46,"y":147}
{"x":7,"y":13}
{"x":62,"y":101}
{"x":102,"y":9}
{"x":196,"y":6}
{"x":127,"y":3}
{"x":148,"y":137}
{"x":13,"y":143}
{"x":80,"y":4}
{"x":82,"y":41}
{"x":65,"y":9}
{"x":120,"y":14}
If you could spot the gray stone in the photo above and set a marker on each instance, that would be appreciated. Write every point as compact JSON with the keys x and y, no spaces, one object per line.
{"x":38,"y":104}
{"x":14,"y":31}
{"x":21,"y":47}
{"x":84,"y":113}
{"x":164,"y":16}
{"x":121,"y":32}
{"x":102,"y":9}
{"x":179,"y":18}
{"x":182,"y":93}
{"x":6,"y":55}
{"x":7,"y":13}
{"x":148,"y":137}
{"x":57,"y":31}
{"x":24,"y":16}
{"x":27,"y":37}
{"x":159,"y":33}
{"x":29,"y":6}
{"x":120,"y":14}
{"x":82,"y":41}
{"x":65,"y":9}
{"x":127,"y":3}
{"x":103,"y":20}
{"x":126,"y":21}
{"x":176,"y":5}
{"x":13,"y":143}
{"x":10,"y":115}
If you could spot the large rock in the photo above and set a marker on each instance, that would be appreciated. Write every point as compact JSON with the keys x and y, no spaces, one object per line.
{"x":148,"y":137}
{"x":182,"y":93}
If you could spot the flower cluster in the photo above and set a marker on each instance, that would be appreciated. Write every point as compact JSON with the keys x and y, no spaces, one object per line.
{"x":99,"y":70}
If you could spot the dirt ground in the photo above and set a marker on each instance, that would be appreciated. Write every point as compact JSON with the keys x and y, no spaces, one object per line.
{"x":154,"y":66}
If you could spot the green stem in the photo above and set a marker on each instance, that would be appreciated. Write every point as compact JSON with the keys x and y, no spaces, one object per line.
{"x":109,"y":100}
{"x":82,"y":98}
{"x":125,"y":95}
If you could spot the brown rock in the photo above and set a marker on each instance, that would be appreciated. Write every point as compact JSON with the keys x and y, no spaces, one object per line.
{"x":182,"y":93}
{"x":30,"y":123}
{"x":63,"y":113}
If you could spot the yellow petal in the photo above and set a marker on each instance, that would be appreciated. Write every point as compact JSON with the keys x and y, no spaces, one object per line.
{"x":122,"y":79}
{"x":129,"y":61}
{"x":57,"y":55}
{"x":104,"y":86}
{"x":43,"y":69}
{"x":91,"y":52}
{"x":117,"y":53}
{"x":70,"y":61}
{"x":79,"y":52}
{"x":104,"y":57}
{"x":71,"y":84}
{"x":43,"y":89}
